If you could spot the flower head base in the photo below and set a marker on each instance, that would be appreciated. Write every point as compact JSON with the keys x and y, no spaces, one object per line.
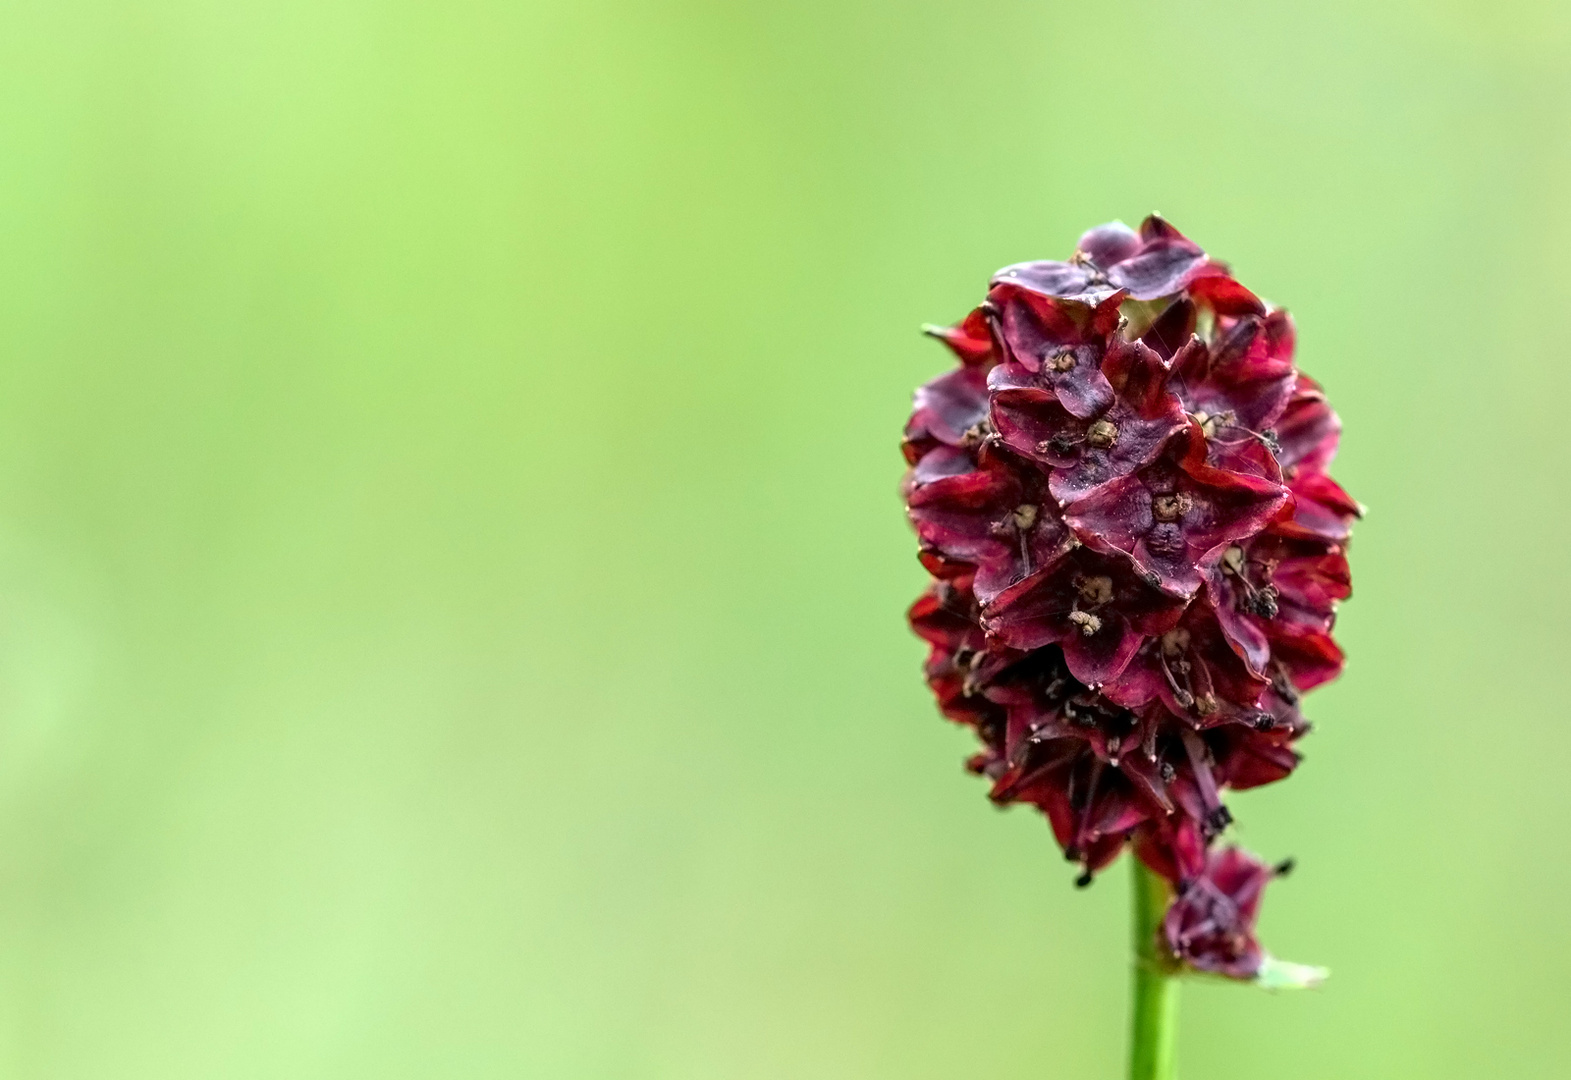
{"x":1122,"y":494}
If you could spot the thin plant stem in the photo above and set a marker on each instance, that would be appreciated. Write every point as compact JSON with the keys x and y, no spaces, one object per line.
{"x":1153,"y":1027}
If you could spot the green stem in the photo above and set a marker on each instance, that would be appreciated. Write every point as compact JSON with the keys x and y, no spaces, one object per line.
{"x":1154,"y":1010}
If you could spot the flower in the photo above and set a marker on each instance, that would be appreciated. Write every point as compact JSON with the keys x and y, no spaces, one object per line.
{"x":1001,"y":521}
{"x":1122,"y":494}
{"x":1085,"y":452}
{"x":1169,"y":515}
{"x":1211,"y":923}
{"x":1275,"y":598}
{"x":1098,"y":608}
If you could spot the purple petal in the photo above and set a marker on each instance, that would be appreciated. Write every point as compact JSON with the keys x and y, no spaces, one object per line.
{"x":949,"y":406}
{"x":1114,"y":517}
{"x":1241,"y":630}
{"x":1308,"y":431}
{"x":1161,"y":269}
{"x":1109,"y":244}
{"x":1059,"y":280}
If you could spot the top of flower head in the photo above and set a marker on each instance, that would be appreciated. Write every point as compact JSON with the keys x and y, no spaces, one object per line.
{"x":1152,"y":264}
{"x":1122,"y":491}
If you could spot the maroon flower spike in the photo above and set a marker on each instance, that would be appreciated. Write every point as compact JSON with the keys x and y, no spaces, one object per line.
{"x":1121,"y":491}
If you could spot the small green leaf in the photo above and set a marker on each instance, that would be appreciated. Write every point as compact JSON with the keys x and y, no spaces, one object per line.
{"x":1282,"y":975}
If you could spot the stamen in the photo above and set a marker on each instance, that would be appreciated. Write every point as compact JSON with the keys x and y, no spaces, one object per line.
{"x":1262,"y":602}
{"x":1089,"y":624}
{"x":1183,"y":697}
{"x":1209,"y":424}
{"x":1060,"y":444}
{"x":1217,"y":817}
{"x":976,"y":434}
{"x":1284,"y":685}
{"x":1083,"y":834}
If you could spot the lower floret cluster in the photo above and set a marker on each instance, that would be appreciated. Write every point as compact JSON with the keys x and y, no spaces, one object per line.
{"x":1121,"y":493}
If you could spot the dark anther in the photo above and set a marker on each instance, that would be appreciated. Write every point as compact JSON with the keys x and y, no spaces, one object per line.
{"x":1284,"y":868}
{"x":1083,"y":880}
{"x":1262,"y":603}
{"x":1073,"y":714}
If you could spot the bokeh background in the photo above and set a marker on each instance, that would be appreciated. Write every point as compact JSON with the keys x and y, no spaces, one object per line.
{"x":451,"y":574}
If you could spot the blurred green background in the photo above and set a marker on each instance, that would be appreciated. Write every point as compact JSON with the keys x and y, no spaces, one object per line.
{"x":451,"y":575}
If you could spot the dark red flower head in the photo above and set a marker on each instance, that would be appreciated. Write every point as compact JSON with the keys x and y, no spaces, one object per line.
{"x":1121,"y":491}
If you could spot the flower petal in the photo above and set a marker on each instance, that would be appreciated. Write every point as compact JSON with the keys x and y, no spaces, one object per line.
{"x":971,"y":339}
{"x":1058,"y":280}
{"x":1108,"y":244}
